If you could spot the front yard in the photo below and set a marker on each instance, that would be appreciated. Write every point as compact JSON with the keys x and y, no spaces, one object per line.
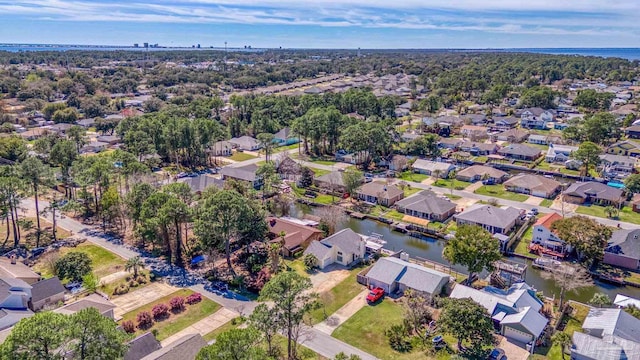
{"x":176,"y":322}
{"x":625,"y":214}
{"x":337,"y":297}
{"x":447,"y":183}
{"x":411,"y":176}
{"x":241,"y":156}
{"x":500,"y":192}
{"x":103,"y":262}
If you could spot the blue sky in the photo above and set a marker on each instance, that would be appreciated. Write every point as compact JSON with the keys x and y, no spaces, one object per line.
{"x":325,"y":23}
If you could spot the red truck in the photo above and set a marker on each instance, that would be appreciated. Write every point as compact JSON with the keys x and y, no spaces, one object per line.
{"x":375,"y":295}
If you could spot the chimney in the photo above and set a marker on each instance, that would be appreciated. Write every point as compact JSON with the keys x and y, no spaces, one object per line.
{"x":13,"y":259}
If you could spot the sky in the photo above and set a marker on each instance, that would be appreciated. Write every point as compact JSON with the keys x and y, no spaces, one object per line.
{"x":325,"y":23}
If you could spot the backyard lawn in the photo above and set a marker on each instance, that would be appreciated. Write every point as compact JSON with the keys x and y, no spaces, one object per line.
{"x":625,"y":215}
{"x":522,"y":246}
{"x":103,"y":262}
{"x":337,"y":297}
{"x":573,"y":323}
{"x":446,"y":183}
{"x":325,"y":199}
{"x":411,"y":176}
{"x":365,"y":330}
{"x":500,"y":192}
{"x":241,"y":156}
{"x":175,"y":322}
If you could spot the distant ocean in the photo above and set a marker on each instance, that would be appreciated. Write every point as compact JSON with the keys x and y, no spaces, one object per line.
{"x":624,"y":53}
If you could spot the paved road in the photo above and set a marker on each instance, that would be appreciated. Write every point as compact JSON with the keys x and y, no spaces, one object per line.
{"x":315,"y":340}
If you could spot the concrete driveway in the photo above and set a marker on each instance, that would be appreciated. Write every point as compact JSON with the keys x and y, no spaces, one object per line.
{"x":204,"y":326}
{"x":141,"y":297}
{"x":513,"y":350}
{"x":326,"y":279}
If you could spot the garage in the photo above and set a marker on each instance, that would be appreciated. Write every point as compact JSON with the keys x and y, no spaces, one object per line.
{"x":516,"y":335}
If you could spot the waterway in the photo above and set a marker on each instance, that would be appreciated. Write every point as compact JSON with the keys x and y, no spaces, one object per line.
{"x":431,"y":249}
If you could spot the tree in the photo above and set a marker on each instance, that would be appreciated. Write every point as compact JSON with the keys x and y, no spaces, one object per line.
{"x":632,"y":183}
{"x":593,"y":100}
{"x":265,"y":321}
{"x":425,"y":146}
{"x":600,"y":128}
{"x":90,"y":282}
{"x":588,"y":153}
{"x":267,"y":144}
{"x":306,"y":177}
{"x":95,"y":336}
{"x":63,"y":154}
{"x":568,"y":278}
{"x":331,"y":218}
{"x":417,"y":312}
{"x":37,"y":174}
{"x":611,"y":211}
{"x":77,"y":135}
{"x":42,"y":336}
{"x":227,"y":217}
{"x":563,"y":340}
{"x":633,"y":310}
{"x":587,"y":236}
{"x":352,"y":180}
{"x":600,"y":300}
{"x":467,"y":321}
{"x":235,"y":344}
{"x":538,"y":96}
{"x":292,"y":300}
{"x":473,"y":247}
{"x":73,"y":266}
{"x":134,"y":264}
{"x":267,"y":172}
{"x":67,"y":116}
{"x":310,"y":261}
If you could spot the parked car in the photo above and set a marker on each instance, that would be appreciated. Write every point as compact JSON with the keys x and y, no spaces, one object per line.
{"x":497,"y":354}
{"x":375,"y":295}
{"x":534,"y":211}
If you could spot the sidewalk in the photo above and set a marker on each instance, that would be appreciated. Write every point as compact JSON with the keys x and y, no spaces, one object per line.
{"x":204,"y":326}
{"x":113,"y":277}
{"x":343,"y":314}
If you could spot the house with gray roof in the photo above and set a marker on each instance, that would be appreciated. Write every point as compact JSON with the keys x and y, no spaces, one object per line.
{"x":104,"y":306}
{"x":184,"y":348}
{"x":245,"y":174}
{"x":142,"y":346}
{"x":493,"y":219}
{"x":593,"y":192}
{"x":202,"y":182}
{"x":332,"y":181}
{"x":346,"y":247}
{"x":515,"y":312}
{"x":478,"y":148}
{"x":520,"y":152}
{"x":246,"y":143}
{"x":536,"y":185}
{"x":427,"y":205}
{"x":432,"y":168}
{"x":8,"y":317}
{"x":396,"y":276}
{"x":559,"y":153}
{"x":46,"y":292}
{"x":623,"y":249}
{"x":514,"y":135}
{"x":505,"y":123}
{"x":478,"y":172}
{"x":379,"y":193}
{"x":285,"y":137}
{"x":221,"y":148}
{"x":608,"y":334}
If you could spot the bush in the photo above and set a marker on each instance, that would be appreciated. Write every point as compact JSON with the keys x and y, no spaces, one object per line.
{"x":73,"y":266}
{"x":144,"y":320}
{"x":160,"y":311}
{"x":398,"y":341}
{"x":310,"y":261}
{"x":129,"y":327}
{"x":133,"y":283}
{"x":177,"y":304}
{"x":194,"y":298}
{"x":141,"y":280}
{"x":121,"y":289}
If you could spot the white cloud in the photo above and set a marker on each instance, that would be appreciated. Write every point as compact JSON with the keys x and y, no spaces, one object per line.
{"x":577,"y":17}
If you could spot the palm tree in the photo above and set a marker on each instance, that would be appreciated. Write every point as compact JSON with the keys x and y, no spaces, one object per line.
{"x":600,"y":300}
{"x":436,"y":174}
{"x":134,"y":264}
{"x":611,"y":211}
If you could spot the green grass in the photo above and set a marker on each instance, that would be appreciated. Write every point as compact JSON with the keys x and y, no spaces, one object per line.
{"x":298,"y":266}
{"x":365,"y":330}
{"x":522,"y":246}
{"x":175,"y":322}
{"x":241,"y":156}
{"x":500,"y":192}
{"x":453,"y":197}
{"x":411,"y":176}
{"x":337,"y":297}
{"x":103,"y":262}
{"x":324,"y":162}
{"x":408,"y":191}
{"x":108,"y":288}
{"x":284,"y":148}
{"x":320,"y":172}
{"x":574,"y":323}
{"x":546,"y":203}
{"x":325,"y":199}
{"x":625,"y":215}
{"x":446,"y":183}
{"x":394,"y":214}
{"x":230,"y":325}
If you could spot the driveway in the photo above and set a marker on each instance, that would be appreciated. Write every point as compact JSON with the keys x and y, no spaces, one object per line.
{"x":141,"y":297}
{"x":325,"y":280}
{"x":533,"y":200}
{"x":512,"y":350}
{"x":343,"y":314}
{"x":204,"y":326}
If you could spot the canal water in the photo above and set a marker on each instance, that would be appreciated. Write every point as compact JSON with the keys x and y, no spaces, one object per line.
{"x":431,"y":249}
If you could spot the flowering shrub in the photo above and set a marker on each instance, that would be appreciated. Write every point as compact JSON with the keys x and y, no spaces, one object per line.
{"x":160,"y":311}
{"x":177,"y":303}
{"x":144,"y":320}
{"x":128,"y":326}
{"x":194,"y":298}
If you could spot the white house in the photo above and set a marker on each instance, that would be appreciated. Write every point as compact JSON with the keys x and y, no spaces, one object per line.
{"x":559,"y":153}
{"x":430,"y":168}
{"x":245,"y":143}
{"x":345,"y":247}
{"x":544,"y":236}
